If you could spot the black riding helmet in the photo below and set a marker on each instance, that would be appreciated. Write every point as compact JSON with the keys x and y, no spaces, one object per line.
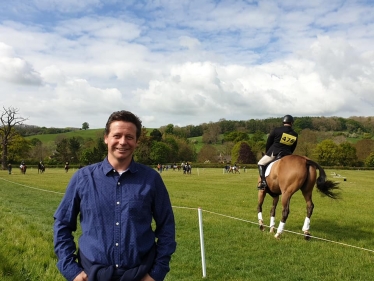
{"x":288,"y":119}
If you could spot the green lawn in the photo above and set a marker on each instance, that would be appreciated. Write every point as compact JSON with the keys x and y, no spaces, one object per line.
{"x":342,"y":247}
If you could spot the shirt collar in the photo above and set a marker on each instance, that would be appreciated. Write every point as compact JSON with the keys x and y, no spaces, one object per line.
{"x":108,"y":168}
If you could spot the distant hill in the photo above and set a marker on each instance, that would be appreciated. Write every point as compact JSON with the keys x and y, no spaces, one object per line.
{"x":89,"y":133}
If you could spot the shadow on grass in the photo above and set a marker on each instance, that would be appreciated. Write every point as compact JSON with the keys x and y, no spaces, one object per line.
{"x":341,"y":232}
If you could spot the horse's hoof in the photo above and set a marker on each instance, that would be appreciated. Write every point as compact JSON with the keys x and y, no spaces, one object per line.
{"x":307,"y":235}
{"x":277,"y":236}
{"x":261,"y":223}
{"x":271,"y":229}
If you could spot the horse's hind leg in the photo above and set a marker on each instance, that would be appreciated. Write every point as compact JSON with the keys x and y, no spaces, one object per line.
{"x":285,"y":211}
{"x":309,"y":212}
{"x":272,"y":213}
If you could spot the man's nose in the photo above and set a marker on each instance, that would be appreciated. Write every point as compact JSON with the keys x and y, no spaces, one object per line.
{"x":122,"y":140}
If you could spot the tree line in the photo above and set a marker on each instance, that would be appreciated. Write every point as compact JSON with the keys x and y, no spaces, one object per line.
{"x":332,"y":141}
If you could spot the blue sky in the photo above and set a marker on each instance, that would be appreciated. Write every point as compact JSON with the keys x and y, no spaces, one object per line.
{"x":63,"y":63}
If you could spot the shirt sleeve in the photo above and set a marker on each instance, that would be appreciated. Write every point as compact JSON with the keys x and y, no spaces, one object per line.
{"x":270,"y":140}
{"x":65,"y":223}
{"x":294,"y":144}
{"x":165,"y":231}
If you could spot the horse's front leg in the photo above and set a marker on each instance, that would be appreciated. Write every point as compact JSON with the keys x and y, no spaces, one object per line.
{"x":261,"y":198}
{"x":285,"y":211}
{"x":272,"y":213}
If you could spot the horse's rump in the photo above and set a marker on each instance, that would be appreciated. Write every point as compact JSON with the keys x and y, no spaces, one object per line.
{"x":294,"y":172}
{"x":288,"y":174}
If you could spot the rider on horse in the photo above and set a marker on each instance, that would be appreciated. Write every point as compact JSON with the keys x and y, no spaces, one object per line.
{"x":281,"y":141}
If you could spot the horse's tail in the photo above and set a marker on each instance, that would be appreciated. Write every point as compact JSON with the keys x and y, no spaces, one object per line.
{"x":327,"y":187}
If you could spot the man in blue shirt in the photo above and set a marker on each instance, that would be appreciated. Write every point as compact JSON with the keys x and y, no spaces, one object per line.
{"x":116,"y":200}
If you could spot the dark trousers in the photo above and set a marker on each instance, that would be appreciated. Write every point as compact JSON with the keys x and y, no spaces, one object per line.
{"x":97,"y":272}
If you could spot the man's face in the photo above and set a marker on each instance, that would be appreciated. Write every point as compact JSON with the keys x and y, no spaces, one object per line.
{"x":121,"y":142}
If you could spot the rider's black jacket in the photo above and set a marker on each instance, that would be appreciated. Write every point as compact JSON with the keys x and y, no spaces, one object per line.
{"x":282,"y":140}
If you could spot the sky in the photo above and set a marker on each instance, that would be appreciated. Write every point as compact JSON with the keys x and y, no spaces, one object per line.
{"x":63,"y":63}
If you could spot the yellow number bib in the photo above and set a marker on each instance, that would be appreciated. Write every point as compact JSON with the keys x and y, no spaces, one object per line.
{"x":287,"y":139}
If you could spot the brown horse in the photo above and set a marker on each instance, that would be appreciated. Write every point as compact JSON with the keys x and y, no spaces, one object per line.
{"x":23,"y":168}
{"x":288,"y":175}
{"x":234,"y":169}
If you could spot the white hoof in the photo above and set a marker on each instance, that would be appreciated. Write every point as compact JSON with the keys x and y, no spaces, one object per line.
{"x":261,"y":223}
{"x":277,"y":235}
{"x":307,"y":235}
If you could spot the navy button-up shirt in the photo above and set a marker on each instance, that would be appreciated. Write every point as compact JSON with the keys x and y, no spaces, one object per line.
{"x":116,"y":213}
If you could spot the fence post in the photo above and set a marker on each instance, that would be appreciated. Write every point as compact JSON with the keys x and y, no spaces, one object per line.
{"x":200,"y":212}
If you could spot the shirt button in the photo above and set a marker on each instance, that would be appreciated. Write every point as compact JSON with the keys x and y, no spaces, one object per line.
{"x":117,"y":202}
{"x":117,"y":223}
{"x":117,"y":244}
{"x":116,"y":265}
{"x":118,"y":183}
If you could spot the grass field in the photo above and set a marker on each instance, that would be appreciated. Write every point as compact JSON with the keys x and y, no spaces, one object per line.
{"x":342,"y":247}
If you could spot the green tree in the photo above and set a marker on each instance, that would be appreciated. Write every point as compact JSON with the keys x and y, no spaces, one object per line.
{"x":346,"y":154}
{"x":143,"y":150}
{"x":302,"y":123}
{"x":85,"y":126}
{"x":246,"y":154}
{"x":96,"y":154}
{"x":74,"y":149}
{"x":364,"y":148}
{"x":186,"y":151}
{"x":211,"y":133}
{"x":171,"y":140}
{"x":169,"y":129}
{"x":369,"y":161}
{"x":35,"y":142}
{"x":9,"y":120}
{"x":156,"y":135}
{"x":160,"y":153}
{"x":242,"y":153}
{"x":207,"y":152}
{"x":306,"y":143}
{"x":62,"y":150}
{"x":258,"y":136}
{"x":39,"y":151}
{"x":236,"y":136}
{"x":257,"y":147}
{"x":327,"y":153}
{"x":19,"y":149}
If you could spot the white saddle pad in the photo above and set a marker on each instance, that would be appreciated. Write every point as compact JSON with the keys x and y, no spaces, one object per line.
{"x":268,"y":169}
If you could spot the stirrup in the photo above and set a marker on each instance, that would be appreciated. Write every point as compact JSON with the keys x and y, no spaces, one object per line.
{"x":262,"y":185}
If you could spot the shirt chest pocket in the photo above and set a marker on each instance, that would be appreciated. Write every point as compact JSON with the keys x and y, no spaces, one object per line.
{"x":139,"y":209}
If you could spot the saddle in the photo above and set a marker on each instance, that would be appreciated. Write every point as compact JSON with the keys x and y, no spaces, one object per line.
{"x":267,"y":173}
{"x":270,"y":164}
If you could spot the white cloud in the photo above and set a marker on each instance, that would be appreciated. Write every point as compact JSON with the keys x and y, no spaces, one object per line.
{"x":185,"y":62}
{"x":66,"y":6}
{"x":16,"y":70}
{"x":188,"y":42}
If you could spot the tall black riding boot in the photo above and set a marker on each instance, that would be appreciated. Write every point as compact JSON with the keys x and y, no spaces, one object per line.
{"x":261,"y":170}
